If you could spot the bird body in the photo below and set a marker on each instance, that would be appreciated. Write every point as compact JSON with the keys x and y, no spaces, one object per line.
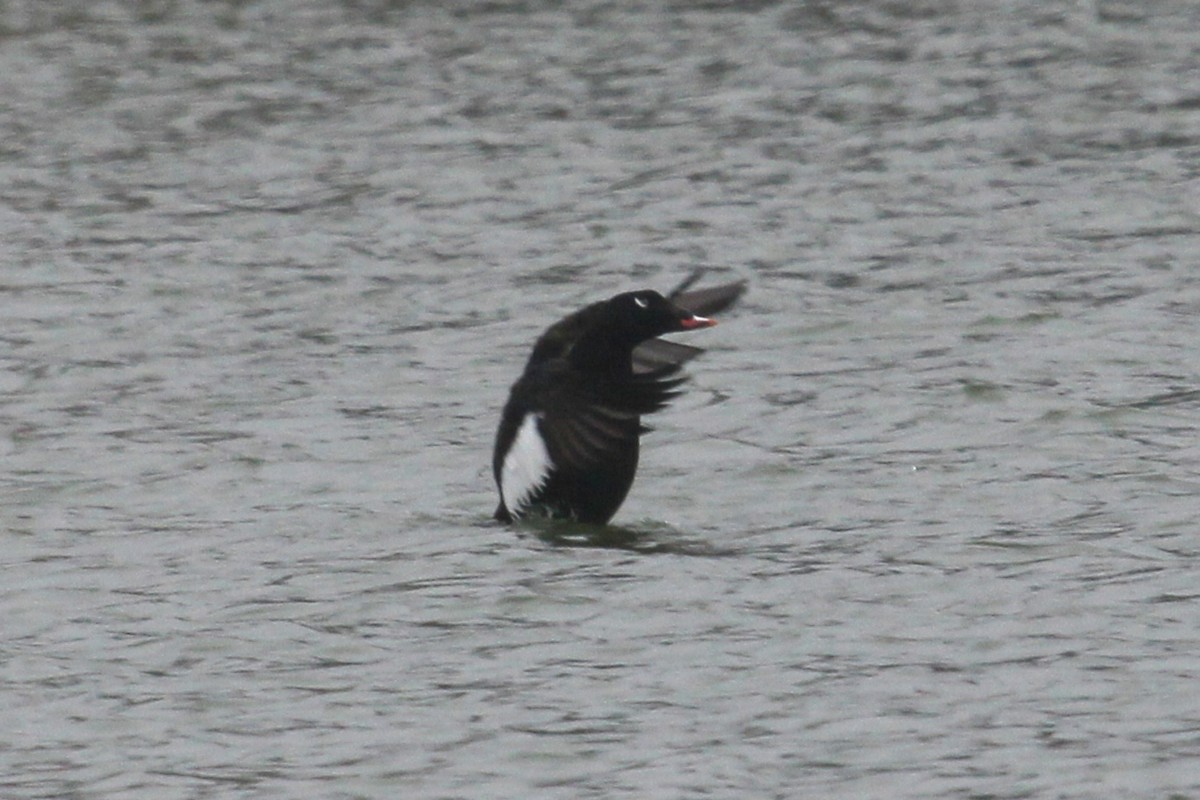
{"x":568,"y":441}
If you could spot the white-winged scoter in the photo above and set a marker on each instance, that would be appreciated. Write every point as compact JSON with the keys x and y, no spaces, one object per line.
{"x":567,"y":445}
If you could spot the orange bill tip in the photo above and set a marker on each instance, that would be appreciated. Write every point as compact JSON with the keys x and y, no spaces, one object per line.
{"x":696,"y":322}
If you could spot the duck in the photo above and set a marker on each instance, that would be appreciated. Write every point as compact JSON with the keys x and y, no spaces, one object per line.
{"x":569,"y":436}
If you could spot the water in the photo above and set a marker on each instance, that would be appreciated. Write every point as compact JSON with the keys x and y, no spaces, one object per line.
{"x":923,"y":527}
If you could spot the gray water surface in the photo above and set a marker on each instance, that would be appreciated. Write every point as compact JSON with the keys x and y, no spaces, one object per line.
{"x":924,"y":525}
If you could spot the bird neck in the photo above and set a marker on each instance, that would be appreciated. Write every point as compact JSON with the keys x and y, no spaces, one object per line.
{"x":597,"y":352}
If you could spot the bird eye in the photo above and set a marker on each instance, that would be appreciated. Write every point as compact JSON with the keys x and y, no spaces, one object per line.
{"x":641,"y":302}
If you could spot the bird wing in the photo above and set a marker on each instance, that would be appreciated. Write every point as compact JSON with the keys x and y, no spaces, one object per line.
{"x":657,"y":353}
{"x":582,"y":422}
{"x":709,"y":300}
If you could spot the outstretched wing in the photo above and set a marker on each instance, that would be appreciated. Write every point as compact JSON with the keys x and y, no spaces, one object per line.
{"x":706,"y":301}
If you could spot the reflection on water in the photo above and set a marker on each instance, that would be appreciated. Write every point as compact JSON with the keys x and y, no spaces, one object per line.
{"x":653,"y":537}
{"x":269,"y":269}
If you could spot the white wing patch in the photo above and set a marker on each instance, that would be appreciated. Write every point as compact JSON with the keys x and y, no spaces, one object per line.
{"x":526,"y":467}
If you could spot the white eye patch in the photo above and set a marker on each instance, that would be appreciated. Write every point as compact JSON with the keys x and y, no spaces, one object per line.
{"x":641,"y":303}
